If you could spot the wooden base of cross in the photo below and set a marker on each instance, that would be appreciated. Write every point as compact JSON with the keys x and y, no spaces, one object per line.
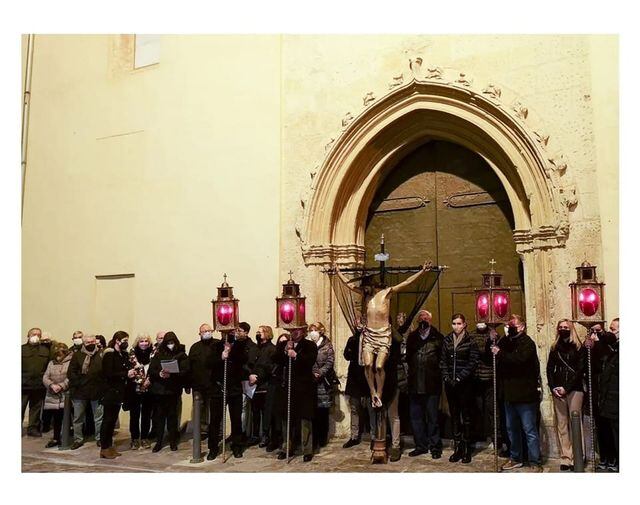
{"x":379,"y":451}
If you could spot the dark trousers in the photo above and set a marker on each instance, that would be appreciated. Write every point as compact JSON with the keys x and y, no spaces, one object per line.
{"x":460,"y":398}
{"x":109,"y":418}
{"x":260,"y":414}
{"x":423,"y":412}
{"x":47,"y":417}
{"x":301,"y":435}
{"x":607,"y":439}
{"x":140,"y":410}
{"x":35,"y":399}
{"x":320,"y":427}
{"x":278,"y":413}
{"x":55,"y":415}
{"x":166,"y":412}
{"x":234,"y":404}
{"x":483,"y":421}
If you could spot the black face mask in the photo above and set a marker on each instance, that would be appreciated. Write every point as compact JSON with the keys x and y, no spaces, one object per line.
{"x":564,"y":334}
{"x":124,"y":345}
{"x":90,"y":347}
{"x":512,"y":331}
{"x":231,"y":338}
{"x":424,"y":325}
{"x":258,"y":338}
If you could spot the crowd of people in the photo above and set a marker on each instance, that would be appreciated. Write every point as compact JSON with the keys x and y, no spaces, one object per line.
{"x":148,"y":379}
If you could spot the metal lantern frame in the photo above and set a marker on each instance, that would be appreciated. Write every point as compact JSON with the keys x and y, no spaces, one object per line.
{"x":493,"y":299}
{"x":225,"y":308}
{"x":587,"y":296}
{"x":291,"y":306}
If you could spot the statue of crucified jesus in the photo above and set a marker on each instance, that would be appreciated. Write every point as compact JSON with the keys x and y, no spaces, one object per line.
{"x":376,"y":333}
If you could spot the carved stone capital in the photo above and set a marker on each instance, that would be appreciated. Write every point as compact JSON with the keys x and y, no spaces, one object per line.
{"x":346,"y":254}
{"x":493,"y":91}
{"x":544,"y":237}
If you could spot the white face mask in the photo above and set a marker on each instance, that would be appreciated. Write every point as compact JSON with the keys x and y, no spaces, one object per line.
{"x":481,"y":326}
{"x":171,"y":346}
{"x":206,"y":335}
{"x":314,"y":335}
{"x":34,"y":339}
{"x":77,"y":341}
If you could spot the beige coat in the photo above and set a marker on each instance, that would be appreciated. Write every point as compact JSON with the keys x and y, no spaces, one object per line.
{"x":56,"y":373}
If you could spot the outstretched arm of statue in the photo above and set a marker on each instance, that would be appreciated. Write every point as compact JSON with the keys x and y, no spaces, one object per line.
{"x":412,"y":279}
{"x":342,"y":277}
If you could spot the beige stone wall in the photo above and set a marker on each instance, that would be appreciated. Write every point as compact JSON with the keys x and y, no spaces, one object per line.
{"x":170,"y":172}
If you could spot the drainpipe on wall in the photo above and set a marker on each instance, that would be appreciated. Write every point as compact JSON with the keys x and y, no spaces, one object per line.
{"x":26,"y":102}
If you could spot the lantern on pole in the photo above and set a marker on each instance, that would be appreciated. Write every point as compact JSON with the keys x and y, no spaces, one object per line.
{"x":290,"y":307}
{"x":493,"y":300}
{"x":225,"y":308}
{"x":587,"y":296}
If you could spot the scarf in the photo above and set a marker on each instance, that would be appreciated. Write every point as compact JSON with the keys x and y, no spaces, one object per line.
{"x":87,"y":359}
{"x":457,"y":339}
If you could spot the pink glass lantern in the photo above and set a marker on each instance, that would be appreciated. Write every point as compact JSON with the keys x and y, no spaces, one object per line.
{"x":225,"y":308}
{"x":587,"y":296}
{"x":493,"y":300}
{"x":290,"y":307}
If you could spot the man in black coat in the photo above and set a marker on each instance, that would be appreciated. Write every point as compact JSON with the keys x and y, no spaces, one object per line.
{"x":235,"y":353}
{"x":35,"y":358}
{"x":201,"y":360}
{"x":604,"y":366}
{"x":116,"y":369}
{"x":303,"y":354}
{"x":519,"y":370}
{"x":86,"y":386}
{"x":357,"y":390}
{"x":262,"y":401}
{"x":424,"y":350}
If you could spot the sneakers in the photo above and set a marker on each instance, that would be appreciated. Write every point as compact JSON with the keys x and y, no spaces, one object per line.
{"x":417,"y":452}
{"x":537,"y":468}
{"x":52,"y":443}
{"x":76,"y":445}
{"x":157,"y":447}
{"x":350,"y":443}
{"x":145,"y":443}
{"x":603,"y":466}
{"x":135,"y":445}
{"x":511,"y":465}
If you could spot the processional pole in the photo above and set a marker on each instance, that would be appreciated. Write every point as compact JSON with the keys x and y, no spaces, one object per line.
{"x":290,"y":315}
{"x":587,"y":309}
{"x":493,"y":306}
{"x":225,"y":319}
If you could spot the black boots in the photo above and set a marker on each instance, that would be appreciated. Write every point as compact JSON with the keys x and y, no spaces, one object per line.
{"x":468,"y":450}
{"x":458,"y":452}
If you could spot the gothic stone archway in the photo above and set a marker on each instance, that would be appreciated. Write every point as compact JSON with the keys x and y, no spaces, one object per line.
{"x":395,"y":125}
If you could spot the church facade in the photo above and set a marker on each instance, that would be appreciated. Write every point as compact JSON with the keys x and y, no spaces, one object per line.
{"x":257,"y":155}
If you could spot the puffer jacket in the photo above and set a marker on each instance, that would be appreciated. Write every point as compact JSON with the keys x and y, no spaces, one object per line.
{"x":459,"y":364}
{"x":35,"y":359}
{"x":484,"y":370}
{"x":323,"y":366}
{"x":565,"y":367}
{"x":56,"y":373}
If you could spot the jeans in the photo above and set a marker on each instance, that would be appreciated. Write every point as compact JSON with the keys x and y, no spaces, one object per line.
{"x":423,"y":410}
{"x":523,"y":417}
{"x":79,"y":412}
{"x":35,"y":399}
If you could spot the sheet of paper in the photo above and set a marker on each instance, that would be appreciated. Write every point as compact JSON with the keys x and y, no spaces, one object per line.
{"x":170,"y":366}
{"x":248,"y":389}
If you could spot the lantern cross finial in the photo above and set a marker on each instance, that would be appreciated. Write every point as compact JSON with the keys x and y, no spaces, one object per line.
{"x":493,"y":263}
{"x":290,"y":275}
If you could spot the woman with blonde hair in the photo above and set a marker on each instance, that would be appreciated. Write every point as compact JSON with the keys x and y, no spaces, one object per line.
{"x":138,"y":399}
{"x":565,"y":373}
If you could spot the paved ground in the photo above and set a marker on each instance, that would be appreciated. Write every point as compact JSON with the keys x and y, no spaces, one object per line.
{"x":333,"y":458}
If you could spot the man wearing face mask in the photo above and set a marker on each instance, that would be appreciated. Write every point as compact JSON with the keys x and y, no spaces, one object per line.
{"x":86,"y":385}
{"x":517,"y":360}
{"x":234,"y":352}
{"x":77,"y":341}
{"x":201,"y":359}
{"x":116,"y":370}
{"x":424,"y":350}
{"x":604,"y":352}
{"x":35,"y":358}
{"x":303,"y":354}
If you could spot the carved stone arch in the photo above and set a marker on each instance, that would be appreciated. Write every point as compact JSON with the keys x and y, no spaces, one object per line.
{"x":372,"y":143}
